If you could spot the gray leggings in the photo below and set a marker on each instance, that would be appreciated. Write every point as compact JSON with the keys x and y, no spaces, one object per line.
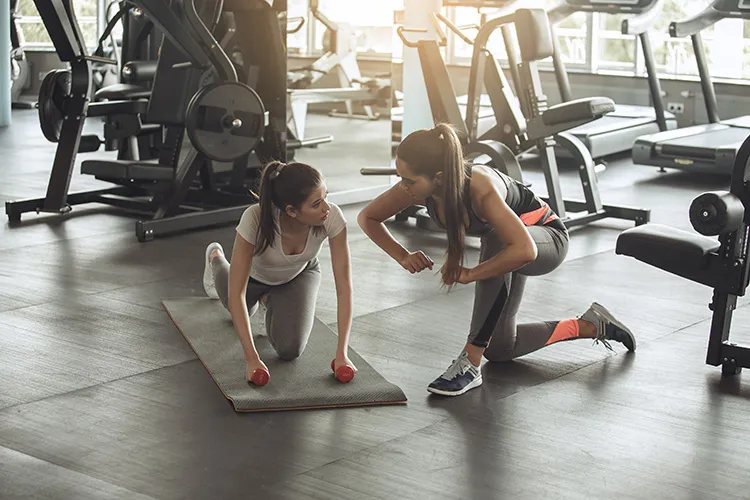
{"x":497,"y":300}
{"x":290,"y":309}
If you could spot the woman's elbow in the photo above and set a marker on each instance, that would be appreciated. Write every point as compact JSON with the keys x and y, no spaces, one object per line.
{"x":364,"y":220}
{"x":529,"y":252}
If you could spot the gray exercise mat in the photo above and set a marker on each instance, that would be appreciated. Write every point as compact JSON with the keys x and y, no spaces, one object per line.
{"x":307,"y":382}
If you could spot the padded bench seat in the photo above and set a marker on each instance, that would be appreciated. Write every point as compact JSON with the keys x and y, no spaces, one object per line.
{"x":108,"y":108}
{"x":588,"y":108}
{"x":127,"y":170}
{"x":673,"y":250}
{"x":122,"y":91}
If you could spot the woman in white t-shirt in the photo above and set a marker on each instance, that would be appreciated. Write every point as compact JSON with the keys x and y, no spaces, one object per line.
{"x":274,"y":261}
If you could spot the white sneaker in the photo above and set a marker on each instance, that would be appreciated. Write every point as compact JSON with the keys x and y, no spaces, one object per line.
{"x":208,"y":274}
{"x":262,"y":307}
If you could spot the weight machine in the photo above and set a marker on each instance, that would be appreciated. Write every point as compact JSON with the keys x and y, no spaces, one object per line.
{"x":226,"y":121}
{"x":135,"y":53}
{"x":514,"y":133}
{"x":535,"y":124}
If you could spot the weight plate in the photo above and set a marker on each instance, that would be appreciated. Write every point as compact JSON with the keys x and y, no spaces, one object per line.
{"x":225,"y":120}
{"x":55,"y":86}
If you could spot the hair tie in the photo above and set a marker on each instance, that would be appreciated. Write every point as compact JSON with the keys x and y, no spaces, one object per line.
{"x":276,"y":172}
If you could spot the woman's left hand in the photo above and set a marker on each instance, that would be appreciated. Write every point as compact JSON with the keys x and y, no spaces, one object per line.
{"x":464,"y":277}
{"x":343,"y":360}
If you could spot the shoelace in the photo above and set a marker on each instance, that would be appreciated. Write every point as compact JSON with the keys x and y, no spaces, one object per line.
{"x":602,"y":336}
{"x":605,"y":342}
{"x":458,"y":367}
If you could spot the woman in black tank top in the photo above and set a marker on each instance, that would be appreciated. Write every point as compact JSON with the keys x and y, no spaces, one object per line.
{"x":520,"y":236}
{"x":519,"y":198}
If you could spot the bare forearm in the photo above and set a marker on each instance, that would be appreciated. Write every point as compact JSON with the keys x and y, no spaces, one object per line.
{"x":344,"y":299}
{"x":378,"y":233}
{"x":241,"y":321}
{"x":508,"y":260}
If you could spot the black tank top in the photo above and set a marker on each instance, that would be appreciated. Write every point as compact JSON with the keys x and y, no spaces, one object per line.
{"x":531,"y":209}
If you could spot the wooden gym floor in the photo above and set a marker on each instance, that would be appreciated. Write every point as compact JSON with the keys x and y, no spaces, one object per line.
{"x":100,"y":397}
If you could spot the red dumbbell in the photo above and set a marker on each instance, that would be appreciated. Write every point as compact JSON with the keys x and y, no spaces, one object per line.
{"x":260,"y":377}
{"x":344,"y":374}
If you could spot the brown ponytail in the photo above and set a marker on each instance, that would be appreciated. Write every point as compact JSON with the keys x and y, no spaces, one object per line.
{"x":439,"y":149}
{"x":282,"y":185}
{"x":454,"y":180}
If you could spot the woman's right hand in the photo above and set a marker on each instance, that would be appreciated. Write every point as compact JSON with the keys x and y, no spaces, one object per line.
{"x":253,"y":365}
{"x":415,"y":262}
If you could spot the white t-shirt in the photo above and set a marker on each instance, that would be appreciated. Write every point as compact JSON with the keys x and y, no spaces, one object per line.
{"x":273,"y":266}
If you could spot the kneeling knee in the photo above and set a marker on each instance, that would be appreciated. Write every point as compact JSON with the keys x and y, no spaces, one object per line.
{"x":498,"y":355}
{"x":290,"y":353}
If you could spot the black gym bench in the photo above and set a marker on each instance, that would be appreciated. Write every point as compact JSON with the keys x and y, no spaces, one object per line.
{"x":722,"y":264}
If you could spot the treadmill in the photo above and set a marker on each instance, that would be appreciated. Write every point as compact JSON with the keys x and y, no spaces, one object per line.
{"x":709,"y":148}
{"x":617,"y":131}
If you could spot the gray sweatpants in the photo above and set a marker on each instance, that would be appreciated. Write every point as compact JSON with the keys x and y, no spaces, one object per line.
{"x":497,"y":300}
{"x":290,"y":309}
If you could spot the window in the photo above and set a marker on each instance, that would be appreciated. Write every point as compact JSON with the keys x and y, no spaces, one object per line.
{"x":725,"y":49}
{"x":372,"y":27}
{"x":612,"y":49}
{"x":674,"y":56}
{"x":726,"y":43}
{"x":297,"y":42}
{"x":464,"y":17}
{"x":35,"y":34}
{"x":746,"y":50}
{"x":571,"y":33}
{"x":370,"y":30}
{"x":594,"y":42}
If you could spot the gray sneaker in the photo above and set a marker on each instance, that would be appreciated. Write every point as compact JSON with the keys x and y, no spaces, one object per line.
{"x":608,"y":328}
{"x":460,"y":377}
